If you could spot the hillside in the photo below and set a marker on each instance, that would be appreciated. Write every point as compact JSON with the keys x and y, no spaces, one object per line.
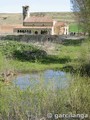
{"x":16,"y":18}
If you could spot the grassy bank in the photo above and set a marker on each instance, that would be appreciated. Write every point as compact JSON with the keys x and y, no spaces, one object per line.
{"x":23,"y":57}
{"x":17,"y":104}
{"x":27,"y":57}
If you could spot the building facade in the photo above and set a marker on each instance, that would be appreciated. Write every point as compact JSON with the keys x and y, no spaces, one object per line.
{"x":40,"y":25}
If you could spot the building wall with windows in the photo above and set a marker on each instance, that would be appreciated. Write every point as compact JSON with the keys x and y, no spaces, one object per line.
{"x":33,"y":31}
{"x":40,"y":25}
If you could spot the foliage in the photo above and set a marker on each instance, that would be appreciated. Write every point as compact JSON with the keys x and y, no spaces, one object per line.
{"x":25,"y":57}
{"x":81,"y":9}
{"x":1,"y":61}
{"x":19,"y":104}
{"x":36,"y":102}
{"x":20,"y":51}
{"x":84,"y":58}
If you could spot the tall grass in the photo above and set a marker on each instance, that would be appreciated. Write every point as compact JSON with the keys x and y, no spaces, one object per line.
{"x":84,"y":58}
{"x":37,"y":102}
{"x":1,"y":61}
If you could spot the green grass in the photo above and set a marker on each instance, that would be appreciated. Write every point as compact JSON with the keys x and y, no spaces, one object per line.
{"x":19,"y":60}
{"x":16,"y":103}
{"x":23,"y":57}
{"x":74,"y":27}
{"x":29,"y":67}
{"x":38,"y":101}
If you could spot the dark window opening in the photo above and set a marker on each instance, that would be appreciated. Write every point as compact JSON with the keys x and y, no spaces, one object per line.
{"x":24,"y":31}
{"x":29,"y":31}
{"x":36,"y":32}
{"x":43,"y":31}
{"x":18,"y":31}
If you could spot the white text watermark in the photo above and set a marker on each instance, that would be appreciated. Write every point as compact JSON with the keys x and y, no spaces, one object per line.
{"x":57,"y":116}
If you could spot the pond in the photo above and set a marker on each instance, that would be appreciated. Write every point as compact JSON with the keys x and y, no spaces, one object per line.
{"x":50,"y":79}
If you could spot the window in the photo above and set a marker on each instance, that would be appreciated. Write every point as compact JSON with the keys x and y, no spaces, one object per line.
{"x":23,"y":31}
{"x":18,"y":31}
{"x":36,"y":32}
{"x":43,"y":31}
{"x":29,"y":31}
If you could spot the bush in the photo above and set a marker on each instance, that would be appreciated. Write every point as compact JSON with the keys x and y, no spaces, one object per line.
{"x":84,"y":59}
{"x":21,"y":51}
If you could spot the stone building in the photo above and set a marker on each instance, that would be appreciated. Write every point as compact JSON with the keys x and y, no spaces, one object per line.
{"x":40,"y":25}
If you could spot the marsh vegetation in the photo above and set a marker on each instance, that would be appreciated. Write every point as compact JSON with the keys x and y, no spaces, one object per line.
{"x":36,"y":102}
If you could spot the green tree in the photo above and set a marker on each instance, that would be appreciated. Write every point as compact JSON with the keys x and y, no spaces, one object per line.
{"x":81,"y":8}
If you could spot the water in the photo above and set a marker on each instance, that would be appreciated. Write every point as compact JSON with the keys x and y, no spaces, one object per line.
{"x":50,"y":79}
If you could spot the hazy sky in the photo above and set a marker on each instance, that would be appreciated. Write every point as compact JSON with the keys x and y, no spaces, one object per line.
{"x":35,"y":5}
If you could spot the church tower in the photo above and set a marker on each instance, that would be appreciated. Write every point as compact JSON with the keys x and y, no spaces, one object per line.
{"x":25,"y":12}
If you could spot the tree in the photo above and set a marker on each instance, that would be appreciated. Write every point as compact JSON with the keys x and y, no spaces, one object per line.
{"x":81,"y":9}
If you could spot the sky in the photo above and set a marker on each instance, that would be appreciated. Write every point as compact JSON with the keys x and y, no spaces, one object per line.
{"x":15,"y":6}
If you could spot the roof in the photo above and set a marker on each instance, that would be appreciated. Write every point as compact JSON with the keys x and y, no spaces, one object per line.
{"x":38,"y":19}
{"x":61,"y":24}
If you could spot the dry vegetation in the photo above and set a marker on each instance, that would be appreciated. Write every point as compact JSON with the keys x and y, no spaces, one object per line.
{"x":16,"y":18}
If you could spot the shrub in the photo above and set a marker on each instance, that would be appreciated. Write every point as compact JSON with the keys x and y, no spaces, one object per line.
{"x":21,"y":51}
{"x":84,"y":58}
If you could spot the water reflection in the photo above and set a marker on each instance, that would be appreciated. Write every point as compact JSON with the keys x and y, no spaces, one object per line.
{"x":50,"y":78}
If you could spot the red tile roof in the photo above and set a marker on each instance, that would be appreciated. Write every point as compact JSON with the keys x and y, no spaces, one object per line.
{"x":38,"y":19}
{"x":60,"y":24}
